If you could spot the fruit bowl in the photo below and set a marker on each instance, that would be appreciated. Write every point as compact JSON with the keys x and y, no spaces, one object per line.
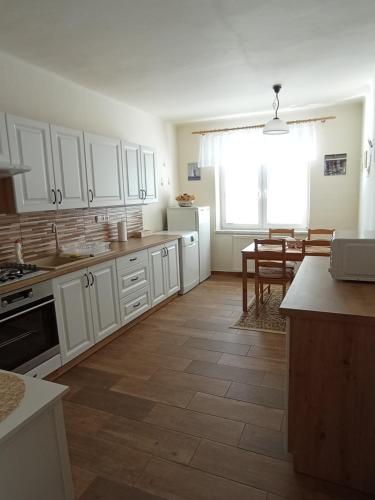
{"x":185,"y":200}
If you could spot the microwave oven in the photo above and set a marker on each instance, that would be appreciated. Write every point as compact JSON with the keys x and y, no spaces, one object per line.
{"x":353,"y":256}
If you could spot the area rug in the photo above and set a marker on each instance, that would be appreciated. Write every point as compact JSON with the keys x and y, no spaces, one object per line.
{"x":269,"y":319}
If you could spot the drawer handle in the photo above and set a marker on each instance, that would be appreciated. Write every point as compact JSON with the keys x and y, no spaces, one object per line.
{"x":135,"y":279}
{"x":133,"y":259}
{"x":137,"y":304}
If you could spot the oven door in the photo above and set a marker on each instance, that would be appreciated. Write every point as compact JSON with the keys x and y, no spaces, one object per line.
{"x":28,"y":336}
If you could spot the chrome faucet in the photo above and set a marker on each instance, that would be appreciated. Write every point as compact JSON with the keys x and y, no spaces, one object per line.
{"x":57,"y":243}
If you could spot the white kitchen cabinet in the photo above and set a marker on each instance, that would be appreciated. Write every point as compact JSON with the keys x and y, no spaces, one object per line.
{"x":104,"y":299}
{"x":73,"y":313}
{"x":131,"y":158}
{"x":87,"y":308}
{"x":135,"y":304}
{"x":149,"y":177}
{"x":172,"y":265}
{"x":69,"y":167}
{"x":104,"y":171}
{"x":4,"y":146}
{"x":164,"y":271}
{"x":30,"y":144}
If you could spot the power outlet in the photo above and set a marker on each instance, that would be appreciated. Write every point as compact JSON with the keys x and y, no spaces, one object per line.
{"x":101,"y":218}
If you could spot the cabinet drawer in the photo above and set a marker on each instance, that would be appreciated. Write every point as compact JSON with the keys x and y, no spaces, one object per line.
{"x":132,"y":259}
{"x":132,"y":279}
{"x":134,"y":305}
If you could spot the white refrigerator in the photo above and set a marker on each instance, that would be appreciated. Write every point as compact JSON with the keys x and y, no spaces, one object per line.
{"x":194,"y":219}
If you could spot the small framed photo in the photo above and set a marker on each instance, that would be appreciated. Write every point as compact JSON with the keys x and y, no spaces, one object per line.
{"x":335,"y":164}
{"x":194,"y":171}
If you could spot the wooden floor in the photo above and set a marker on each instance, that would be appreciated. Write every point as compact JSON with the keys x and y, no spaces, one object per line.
{"x":183,"y":407}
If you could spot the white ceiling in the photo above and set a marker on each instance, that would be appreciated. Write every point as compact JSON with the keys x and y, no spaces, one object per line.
{"x":190,"y":59}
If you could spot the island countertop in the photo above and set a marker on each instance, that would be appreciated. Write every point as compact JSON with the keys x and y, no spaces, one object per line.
{"x":314,"y":292}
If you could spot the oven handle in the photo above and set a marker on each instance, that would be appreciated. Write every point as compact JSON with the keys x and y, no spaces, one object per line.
{"x":17,"y":339}
{"x":26,"y":311}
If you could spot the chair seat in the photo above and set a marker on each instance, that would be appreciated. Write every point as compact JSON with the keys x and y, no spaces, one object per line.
{"x":290,"y":265}
{"x":272,"y":272}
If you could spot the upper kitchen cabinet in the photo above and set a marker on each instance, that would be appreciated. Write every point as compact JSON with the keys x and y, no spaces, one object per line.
{"x":4,"y":147}
{"x":131,"y":157}
{"x":69,"y":167}
{"x":139,"y":174}
{"x":148,"y":169}
{"x":104,"y":171}
{"x":30,"y":144}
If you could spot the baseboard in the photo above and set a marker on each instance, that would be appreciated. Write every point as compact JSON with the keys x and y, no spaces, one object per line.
{"x":74,"y":362}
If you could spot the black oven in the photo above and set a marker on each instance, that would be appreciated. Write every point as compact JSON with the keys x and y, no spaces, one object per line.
{"x":28,"y":329}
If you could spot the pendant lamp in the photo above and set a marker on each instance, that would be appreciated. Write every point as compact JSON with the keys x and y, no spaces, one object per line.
{"x":276,"y":126}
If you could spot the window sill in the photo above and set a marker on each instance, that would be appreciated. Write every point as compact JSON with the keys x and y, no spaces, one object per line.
{"x":252,"y":231}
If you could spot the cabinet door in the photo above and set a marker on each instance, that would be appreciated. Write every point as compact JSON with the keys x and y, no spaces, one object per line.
{"x":104,"y":171}
{"x":73,"y":312}
{"x":30,"y":144}
{"x":132,"y":173}
{"x":104,"y":299}
{"x":157,"y":274}
{"x":4,"y":147}
{"x":148,"y":174}
{"x":69,"y":167}
{"x":172,"y":268}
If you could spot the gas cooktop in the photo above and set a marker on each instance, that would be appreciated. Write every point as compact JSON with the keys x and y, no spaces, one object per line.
{"x":11,"y":271}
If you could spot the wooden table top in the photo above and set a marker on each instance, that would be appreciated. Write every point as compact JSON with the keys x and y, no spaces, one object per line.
{"x":314,"y":291}
{"x":292,"y":253}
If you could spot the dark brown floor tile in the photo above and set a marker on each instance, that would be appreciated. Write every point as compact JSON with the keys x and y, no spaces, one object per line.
{"x":217,"y":345}
{"x":270,"y":418}
{"x":264,"y":441}
{"x":197,"y":424}
{"x":133,"y":368}
{"x":266,"y":396}
{"x":253,"y":363}
{"x":80,"y":418}
{"x":81,"y":480}
{"x":224,"y":372}
{"x":149,"y":438}
{"x":178,"y":482}
{"x":147,"y":389}
{"x":183,"y":351}
{"x":207,"y":325}
{"x":88,"y":377}
{"x":267,"y":352}
{"x":275,"y":380}
{"x":104,"y":489}
{"x":113,"y":402}
{"x":106,"y":458}
{"x":191,"y":382}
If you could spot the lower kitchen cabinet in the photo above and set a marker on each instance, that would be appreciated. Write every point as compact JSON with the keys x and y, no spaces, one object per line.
{"x":87,"y":308}
{"x":164,"y":271}
{"x":104,"y":299}
{"x":73,"y":314}
{"x":135,"y":304}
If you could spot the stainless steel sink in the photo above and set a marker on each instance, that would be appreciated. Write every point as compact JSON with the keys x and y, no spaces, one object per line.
{"x":56,"y":261}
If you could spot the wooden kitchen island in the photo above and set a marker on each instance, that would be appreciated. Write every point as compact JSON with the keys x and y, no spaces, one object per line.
{"x":331,"y":343}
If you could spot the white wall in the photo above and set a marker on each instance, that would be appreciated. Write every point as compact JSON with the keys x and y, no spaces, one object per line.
{"x":32,"y":92}
{"x":333,"y":199}
{"x":367,"y":189}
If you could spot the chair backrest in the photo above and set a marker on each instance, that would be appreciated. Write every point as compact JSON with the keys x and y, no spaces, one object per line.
{"x":279,"y":232}
{"x":327,"y":232}
{"x":270,"y":253}
{"x":306,"y":244}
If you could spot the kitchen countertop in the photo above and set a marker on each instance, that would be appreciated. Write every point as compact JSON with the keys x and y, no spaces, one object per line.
{"x":118,"y":249}
{"x":315,"y":292}
{"x":38,"y":395}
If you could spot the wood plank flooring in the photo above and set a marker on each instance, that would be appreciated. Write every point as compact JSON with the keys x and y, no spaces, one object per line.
{"x":182,"y":407}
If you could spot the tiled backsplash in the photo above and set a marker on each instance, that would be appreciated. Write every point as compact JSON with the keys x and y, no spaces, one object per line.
{"x":35,"y":229}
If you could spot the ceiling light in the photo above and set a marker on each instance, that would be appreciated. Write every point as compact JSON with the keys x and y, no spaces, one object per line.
{"x":276,"y":126}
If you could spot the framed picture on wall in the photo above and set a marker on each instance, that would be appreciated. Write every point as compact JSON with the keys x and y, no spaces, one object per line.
{"x":335,"y":164}
{"x":194,"y":171}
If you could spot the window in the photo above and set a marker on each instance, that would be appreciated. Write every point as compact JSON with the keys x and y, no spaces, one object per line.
{"x":263,"y":181}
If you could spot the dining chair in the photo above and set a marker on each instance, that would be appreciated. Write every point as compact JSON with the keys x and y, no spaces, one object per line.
{"x":270,"y":267}
{"x":281,"y":232}
{"x":312,"y":247}
{"x":326,"y":233}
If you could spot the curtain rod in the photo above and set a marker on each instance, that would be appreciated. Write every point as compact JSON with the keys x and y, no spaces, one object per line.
{"x":322,"y":119}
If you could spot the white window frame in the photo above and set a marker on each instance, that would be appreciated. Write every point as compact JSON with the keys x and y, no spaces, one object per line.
{"x":262,"y":205}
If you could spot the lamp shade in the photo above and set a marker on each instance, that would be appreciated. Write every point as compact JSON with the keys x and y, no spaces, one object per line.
{"x":276,"y":127}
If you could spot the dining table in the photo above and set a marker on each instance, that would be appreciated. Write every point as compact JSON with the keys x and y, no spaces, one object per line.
{"x":293,"y":254}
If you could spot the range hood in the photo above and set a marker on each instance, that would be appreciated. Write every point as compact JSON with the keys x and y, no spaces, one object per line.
{"x":8,"y":170}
